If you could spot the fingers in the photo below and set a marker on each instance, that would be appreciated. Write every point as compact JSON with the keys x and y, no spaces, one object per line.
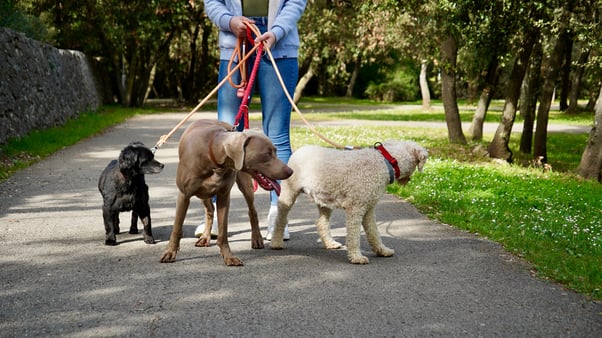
{"x":269,"y":38}
{"x":238,"y":26}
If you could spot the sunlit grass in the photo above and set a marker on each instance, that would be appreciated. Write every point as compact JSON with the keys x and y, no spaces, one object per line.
{"x":19,"y":153}
{"x":550,"y":219}
{"x":413,"y":112}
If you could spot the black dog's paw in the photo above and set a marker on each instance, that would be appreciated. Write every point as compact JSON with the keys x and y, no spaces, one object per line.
{"x":111,"y":242}
{"x":133,"y":231}
{"x":149,"y":240}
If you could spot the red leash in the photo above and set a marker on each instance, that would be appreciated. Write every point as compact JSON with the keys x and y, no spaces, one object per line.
{"x":243,"y":111}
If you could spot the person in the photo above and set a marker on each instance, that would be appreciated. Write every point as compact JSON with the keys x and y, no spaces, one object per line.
{"x":277,"y":23}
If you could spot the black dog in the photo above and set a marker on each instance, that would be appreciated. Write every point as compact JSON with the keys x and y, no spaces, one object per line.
{"x":123,"y":188}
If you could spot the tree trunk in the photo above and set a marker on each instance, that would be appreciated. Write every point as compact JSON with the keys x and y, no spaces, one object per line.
{"x":151,"y":81}
{"x":498,"y":148}
{"x":189,"y":79}
{"x":303,"y":82}
{"x":476,"y":127}
{"x":591,"y":103}
{"x":353,"y":79}
{"x":576,"y":82}
{"x":119,"y":77}
{"x":424,"y":86}
{"x":529,"y":99}
{"x":591,"y":161}
{"x":545,"y":101}
{"x":449,"y":53}
{"x":565,"y":72}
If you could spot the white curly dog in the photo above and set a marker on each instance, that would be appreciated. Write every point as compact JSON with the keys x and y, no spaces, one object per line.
{"x":353,"y":180}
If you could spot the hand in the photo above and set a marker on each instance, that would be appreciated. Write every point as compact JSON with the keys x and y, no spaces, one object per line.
{"x":268,"y":37}
{"x":238,"y":26}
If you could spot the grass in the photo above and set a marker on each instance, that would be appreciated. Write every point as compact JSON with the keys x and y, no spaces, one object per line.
{"x":19,"y":153}
{"x":553,"y":219}
{"x":370,"y":110}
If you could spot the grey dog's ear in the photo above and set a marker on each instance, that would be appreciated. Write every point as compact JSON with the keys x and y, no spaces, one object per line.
{"x":234,"y":147}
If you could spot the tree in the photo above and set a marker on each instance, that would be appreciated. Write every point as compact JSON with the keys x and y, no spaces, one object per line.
{"x":189,"y":70}
{"x":336,"y":50}
{"x":449,"y":53}
{"x":576,"y":77}
{"x":424,"y":86}
{"x":590,"y":166}
{"x":131,"y":36}
{"x":476,"y":127}
{"x":498,"y":148}
{"x":551,"y":71}
{"x":529,"y":98}
{"x":487,"y":38}
{"x":449,"y":18}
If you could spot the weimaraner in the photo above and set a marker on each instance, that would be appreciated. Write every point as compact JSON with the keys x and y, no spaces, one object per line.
{"x":212,"y":157}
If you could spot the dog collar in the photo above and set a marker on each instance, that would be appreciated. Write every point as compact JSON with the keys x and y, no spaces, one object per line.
{"x":391,"y":162}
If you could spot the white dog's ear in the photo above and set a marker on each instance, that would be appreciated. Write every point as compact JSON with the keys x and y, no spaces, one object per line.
{"x":421,"y":155}
{"x":234,"y":147}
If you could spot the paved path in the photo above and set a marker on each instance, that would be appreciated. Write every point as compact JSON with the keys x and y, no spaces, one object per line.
{"x":58,"y":279}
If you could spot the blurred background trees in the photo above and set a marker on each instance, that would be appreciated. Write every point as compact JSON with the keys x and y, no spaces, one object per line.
{"x":524,"y":52}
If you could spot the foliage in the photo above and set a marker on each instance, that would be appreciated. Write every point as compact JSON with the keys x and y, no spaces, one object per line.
{"x":131,"y":37}
{"x":394,"y":85}
{"x":366,"y":37}
{"x":11,"y":16}
{"x":337,"y":38}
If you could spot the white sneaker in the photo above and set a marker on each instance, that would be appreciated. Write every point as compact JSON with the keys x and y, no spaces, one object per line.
{"x":214,"y":231}
{"x":272,"y":214}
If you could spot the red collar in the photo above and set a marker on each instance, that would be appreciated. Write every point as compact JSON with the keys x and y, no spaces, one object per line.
{"x":389,"y":159}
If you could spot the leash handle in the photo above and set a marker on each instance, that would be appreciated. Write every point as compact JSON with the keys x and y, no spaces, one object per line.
{"x":228,"y":77}
{"x":243,"y":111}
{"x":164,"y":138}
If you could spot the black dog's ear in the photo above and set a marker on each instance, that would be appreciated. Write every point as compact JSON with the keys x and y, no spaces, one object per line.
{"x":127,"y":158}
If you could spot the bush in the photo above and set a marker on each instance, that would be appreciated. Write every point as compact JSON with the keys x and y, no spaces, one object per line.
{"x":399,"y":84}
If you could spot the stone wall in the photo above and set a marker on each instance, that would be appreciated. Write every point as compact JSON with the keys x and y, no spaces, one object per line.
{"x":42,"y":86}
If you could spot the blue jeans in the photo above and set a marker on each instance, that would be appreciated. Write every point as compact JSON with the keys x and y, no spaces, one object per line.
{"x":275,"y":106}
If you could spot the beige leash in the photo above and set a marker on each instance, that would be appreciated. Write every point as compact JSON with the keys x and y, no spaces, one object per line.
{"x":240,"y":64}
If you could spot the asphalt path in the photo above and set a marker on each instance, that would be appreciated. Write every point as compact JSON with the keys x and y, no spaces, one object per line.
{"x":59,"y":279}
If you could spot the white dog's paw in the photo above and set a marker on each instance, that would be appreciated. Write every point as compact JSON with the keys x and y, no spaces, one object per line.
{"x":332,"y":245}
{"x":385,"y":252}
{"x":277,"y":245}
{"x":359,"y":259}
